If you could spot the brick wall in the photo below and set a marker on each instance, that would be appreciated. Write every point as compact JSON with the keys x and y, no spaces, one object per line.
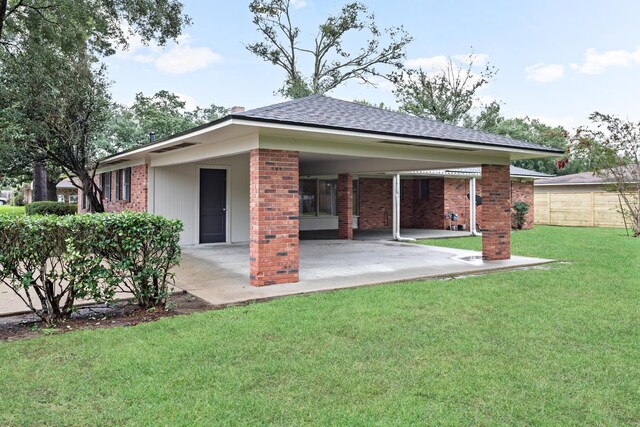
{"x":139,"y":192}
{"x":429,"y":213}
{"x":496,"y":212}
{"x":376,"y":206}
{"x":345,"y":206}
{"x":273,"y":206}
{"x":523,"y":191}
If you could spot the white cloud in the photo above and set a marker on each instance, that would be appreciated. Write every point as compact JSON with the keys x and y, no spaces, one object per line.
{"x":298,"y":4}
{"x":569,"y":123}
{"x":430,"y":64}
{"x":436,"y":64}
{"x":190,"y":103}
{"x":544,"y":73}
{"x":597,"y":63}
{"x":180,"y":58}
{"x":185,"y":59}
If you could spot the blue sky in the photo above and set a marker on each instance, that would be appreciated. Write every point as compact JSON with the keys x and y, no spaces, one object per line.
{"x":557,"y":60}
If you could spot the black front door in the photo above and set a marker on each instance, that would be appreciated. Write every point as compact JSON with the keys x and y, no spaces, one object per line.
{"x":213,"y":205}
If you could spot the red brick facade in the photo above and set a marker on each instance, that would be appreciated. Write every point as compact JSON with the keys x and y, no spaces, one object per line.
{"x":443,"y":195}
{"x":523,"y":192}
{"x":345,"y":206}
{"x":139,"y":192}
{"x":273,"y":216}
{"x":376,"y":205}
{"x":496,"y":212}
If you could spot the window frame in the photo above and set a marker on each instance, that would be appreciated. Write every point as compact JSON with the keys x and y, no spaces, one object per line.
{"x":106,"y":185}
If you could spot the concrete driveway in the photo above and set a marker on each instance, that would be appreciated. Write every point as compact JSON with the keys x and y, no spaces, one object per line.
{"x":219,"y":274}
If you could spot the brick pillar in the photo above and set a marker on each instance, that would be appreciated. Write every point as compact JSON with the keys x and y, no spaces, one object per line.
{"x":273,"y":201}
{"x":496,"y":212}
{"x":345,"y":206}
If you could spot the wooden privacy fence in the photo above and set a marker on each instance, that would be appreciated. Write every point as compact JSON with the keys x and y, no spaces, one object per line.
{"x":582,"y":209}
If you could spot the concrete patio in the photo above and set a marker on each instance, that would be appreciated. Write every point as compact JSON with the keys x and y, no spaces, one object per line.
{"x":219,"y":273}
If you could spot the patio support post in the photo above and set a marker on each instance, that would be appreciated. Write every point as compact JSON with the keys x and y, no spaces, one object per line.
{"x":273,"y":216}
{"x":345,"y":206}
{"x":496,"y":212}
{"x":397,"y":182}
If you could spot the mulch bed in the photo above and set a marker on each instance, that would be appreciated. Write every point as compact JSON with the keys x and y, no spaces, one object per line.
{"x":121,"y":313}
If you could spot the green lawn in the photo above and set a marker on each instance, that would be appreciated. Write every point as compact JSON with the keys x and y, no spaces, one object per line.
{"x":551,"y":346}
{"x":12,"y":210}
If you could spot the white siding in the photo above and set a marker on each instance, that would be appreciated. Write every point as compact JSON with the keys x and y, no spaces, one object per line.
{"x":175,"y":195}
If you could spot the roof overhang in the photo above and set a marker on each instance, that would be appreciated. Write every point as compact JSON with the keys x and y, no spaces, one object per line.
{"x":231,"y":126}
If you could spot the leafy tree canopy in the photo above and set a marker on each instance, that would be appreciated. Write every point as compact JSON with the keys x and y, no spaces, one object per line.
{"x":163,"y":113}
{"x":331,"y":62}
{"x":447,"y":95}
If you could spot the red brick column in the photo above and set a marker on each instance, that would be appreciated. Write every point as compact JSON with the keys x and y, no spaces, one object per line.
{"x":496,"y":212}
{"x":273,"y":206}
{"x":345,"y":206}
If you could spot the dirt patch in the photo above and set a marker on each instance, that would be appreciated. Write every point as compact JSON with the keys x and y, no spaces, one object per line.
{"x":121,"y":313}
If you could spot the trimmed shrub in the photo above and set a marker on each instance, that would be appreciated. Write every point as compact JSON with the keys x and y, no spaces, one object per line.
{"x":140,"y":249}
{"x":34,"y":263}
{"x":51,"y":208}
{"x":51,"y":261}
{"x":521,"y":209}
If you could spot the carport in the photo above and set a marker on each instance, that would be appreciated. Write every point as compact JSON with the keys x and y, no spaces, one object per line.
{"x":240,"y":179}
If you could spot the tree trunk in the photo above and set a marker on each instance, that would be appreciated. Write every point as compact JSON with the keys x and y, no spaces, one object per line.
{"x":3,"y":14}
{"x":39,"y":181}
{"x":52,"y":190}
{"x":90,"y":190}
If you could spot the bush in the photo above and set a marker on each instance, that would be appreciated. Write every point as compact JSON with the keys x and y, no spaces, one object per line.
{"x":51,"y":208}
{"x":521,"y":209}
{"x":54,"y":261}
{"x":34,"y":263}
{"x":140,"y":249}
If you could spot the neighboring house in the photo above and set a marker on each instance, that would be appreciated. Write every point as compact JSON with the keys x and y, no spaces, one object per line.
{"x":579,"y":199}
{"x":264,"y":174}
{"x":66,"y":192}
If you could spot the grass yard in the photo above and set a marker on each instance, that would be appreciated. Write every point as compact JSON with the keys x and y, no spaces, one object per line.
{"x":11,"y":210}
{"x":552,"y":346}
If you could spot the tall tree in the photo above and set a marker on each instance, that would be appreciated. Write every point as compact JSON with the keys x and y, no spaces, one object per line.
{"x":613,"y":145}
{"x":163,"y":113}
{"x":447,"y":95}
{"x":51,"y":29}
{"x":332,"y":64}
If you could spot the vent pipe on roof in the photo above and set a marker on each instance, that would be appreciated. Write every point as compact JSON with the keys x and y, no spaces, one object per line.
{"x":152,"y":137}
{"x":237,"y":109}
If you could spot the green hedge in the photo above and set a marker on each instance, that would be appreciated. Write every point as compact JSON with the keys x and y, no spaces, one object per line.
{"x":51,"y":261}
{"x":51,"y":208}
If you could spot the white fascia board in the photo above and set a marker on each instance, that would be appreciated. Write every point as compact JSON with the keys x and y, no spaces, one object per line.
{"x":107,"y":167}
{"x":568,"y":184}
{"x":157,"y":146}
{"x":382,"y":137}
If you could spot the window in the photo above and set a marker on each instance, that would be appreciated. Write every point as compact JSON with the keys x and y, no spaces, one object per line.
{"x":319,"y":197}
{"x":424,"y":189}
{"x":356,"y":197}
{"x":60,"y":198}
{"x":106,"y":185}
{"x":73,"y":199}
{"x":328,"y":197}
{"x":123,"y":184}
{"x":308,"y":197}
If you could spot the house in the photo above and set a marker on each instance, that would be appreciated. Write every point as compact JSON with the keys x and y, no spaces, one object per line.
{"x":580,"y":199}
{"x":263,"y":175}
{"x":66,"y":192}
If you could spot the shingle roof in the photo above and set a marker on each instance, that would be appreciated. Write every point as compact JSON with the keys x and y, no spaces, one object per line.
{"x":514,"y":171}
{"x":576,"y":178}
{"x":325,"y":112}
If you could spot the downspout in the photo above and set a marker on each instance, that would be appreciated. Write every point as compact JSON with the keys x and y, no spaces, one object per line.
{"x":396,"y":212}
{"x":472,"y":208}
